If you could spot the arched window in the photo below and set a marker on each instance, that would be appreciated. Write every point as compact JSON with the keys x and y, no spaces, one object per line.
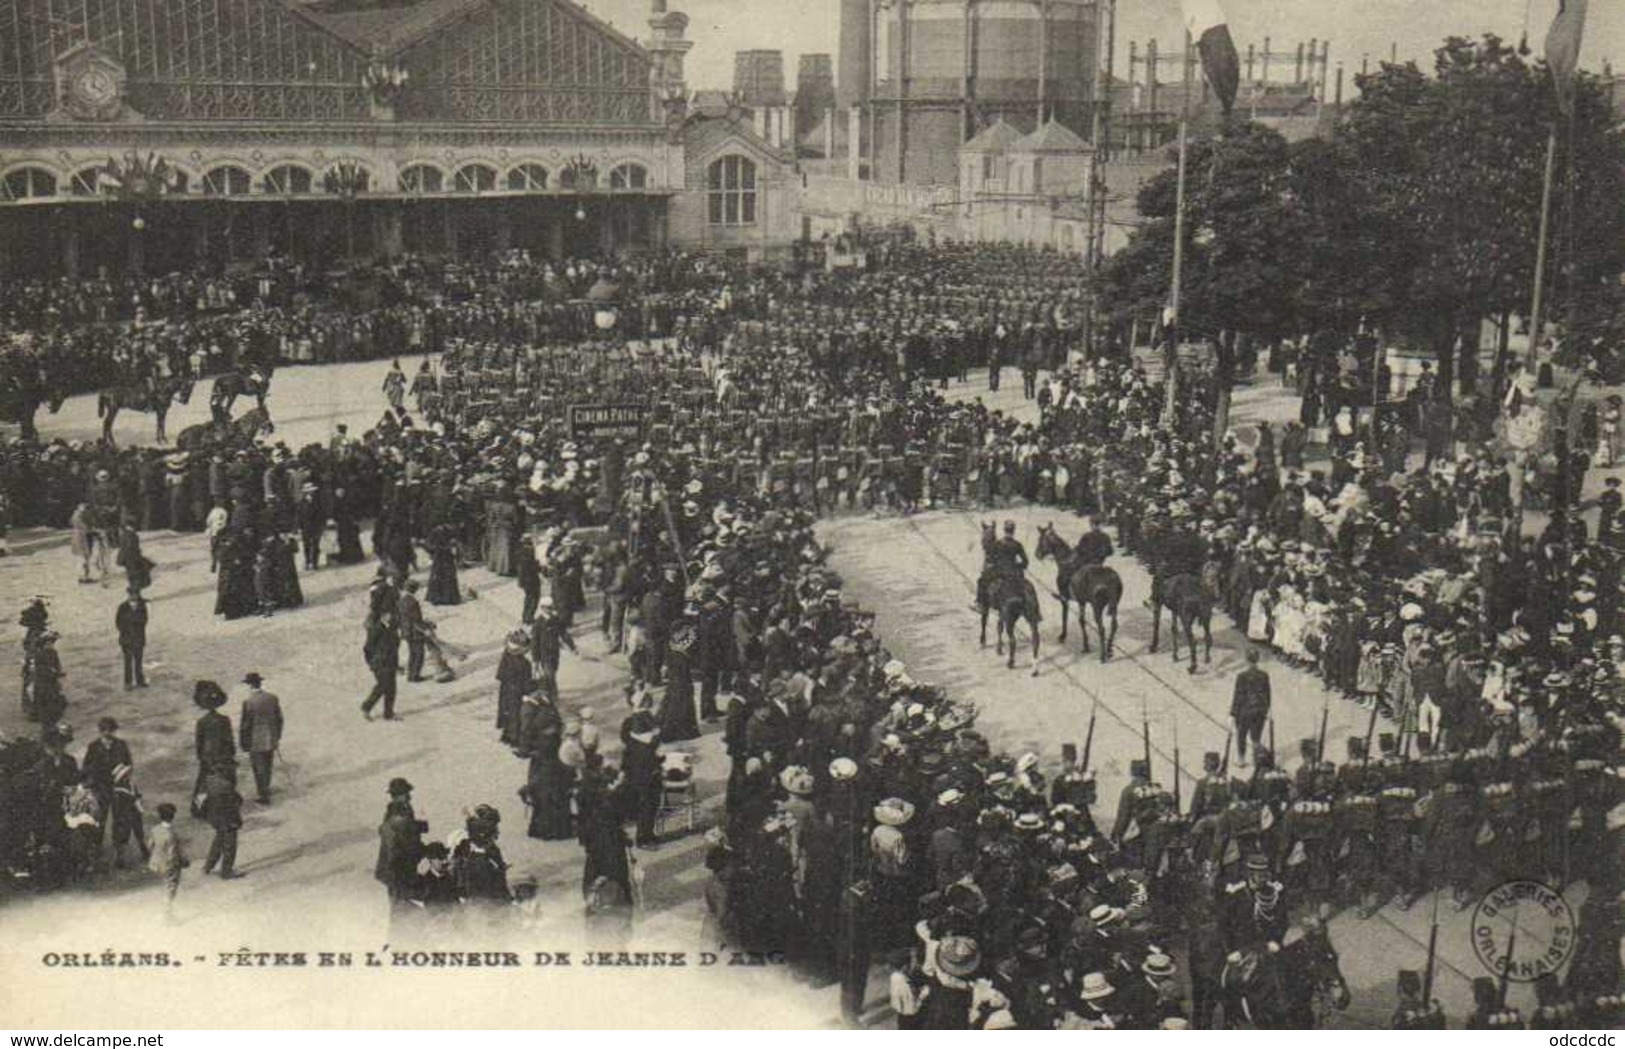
{"x":287,"y":180}
{"x":629,"y":176}
{"x":346,"y":179}
{"x":730,"y":184}
{"x":527,"y":178}
{"x":27,"y":183}
{"x":86,"y":182}
{"x":475,"y":178}
{"x":421,"y":178}
{"x":228,"y":180}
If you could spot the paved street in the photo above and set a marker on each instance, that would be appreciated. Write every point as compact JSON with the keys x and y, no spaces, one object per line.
{"x":309,"y":856}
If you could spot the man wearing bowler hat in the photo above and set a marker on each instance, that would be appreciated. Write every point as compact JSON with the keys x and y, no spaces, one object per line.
{"x":400,"y":846}
{"x":259,"y":733}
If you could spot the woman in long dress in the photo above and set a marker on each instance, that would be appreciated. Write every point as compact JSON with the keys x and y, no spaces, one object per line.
{"x":514,"y":679}
{"x":501,"y":515}
{"x":547,"y":784}
{"x":603,"y":835}
{"x":443,"y":589}
{"x":350,"y":551}
{"x":678,"y":718}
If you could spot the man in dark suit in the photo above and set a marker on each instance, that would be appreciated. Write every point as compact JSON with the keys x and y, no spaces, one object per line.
{"x":312,"y":517}
{"x":413,"y":630}
{"x":1250,"y":705}
{"x":131,"y":620}
{"x":400,"y":846}
{"x":137,"y":569}
{"x":223,"y":808}
{"x":644,"y":773}
{"x":529,"y":573}
{"x":105,"y":755}
{"x":383,"y":653}
{"x":259,"y":733}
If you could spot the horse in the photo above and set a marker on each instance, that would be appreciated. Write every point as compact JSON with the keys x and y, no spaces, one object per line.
{"x":1097,"y":586}
{"x":255,"y":423}
{"x":1014,"y":598}
{"x":254,"y":381}
{"x":1188,"y":602}
{"x":155,"y":396}
{"x":23,"y":392}
{"x":1287,"y":991}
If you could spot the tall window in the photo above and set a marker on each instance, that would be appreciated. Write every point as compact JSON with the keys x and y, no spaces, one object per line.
{"x":28,"y":182}
{"x":287,"y":180}
{"x":421,"y":178}
{"x":227,"y":181}
{"x":731,"y":189}
{"x":475,"y":178}
{"x":527,"y":178}
{"x":628,"y":176}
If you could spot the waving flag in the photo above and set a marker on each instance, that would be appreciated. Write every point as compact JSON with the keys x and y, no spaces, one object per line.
{"x":1563,"y":49}
{"x":1220,"y":63}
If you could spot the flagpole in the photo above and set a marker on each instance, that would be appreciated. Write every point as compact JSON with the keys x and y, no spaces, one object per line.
{"x":1172,"y":352}
{"x":1536,"y":307}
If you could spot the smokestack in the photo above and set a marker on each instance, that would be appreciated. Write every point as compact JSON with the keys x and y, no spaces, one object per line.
{"x":856,"y":59}
{"x":1339,"y":102}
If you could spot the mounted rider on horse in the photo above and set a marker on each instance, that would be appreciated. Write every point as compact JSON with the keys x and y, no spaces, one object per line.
{"x":1003,"y":558}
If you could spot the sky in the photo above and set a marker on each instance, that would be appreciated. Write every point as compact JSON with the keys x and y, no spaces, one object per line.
{"x":1354,"y":27}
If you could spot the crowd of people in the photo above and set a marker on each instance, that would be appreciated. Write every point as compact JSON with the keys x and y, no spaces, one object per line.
{"x":865,"y":817}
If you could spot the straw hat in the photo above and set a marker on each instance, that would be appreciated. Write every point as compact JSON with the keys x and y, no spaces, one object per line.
{"x":1094,"y":987}
{"x":893,"y":812}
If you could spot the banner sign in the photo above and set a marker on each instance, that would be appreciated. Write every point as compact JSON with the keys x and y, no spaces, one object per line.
{"x":608,"y":420}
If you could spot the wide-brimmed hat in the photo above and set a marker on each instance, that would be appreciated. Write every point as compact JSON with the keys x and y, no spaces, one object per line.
{"x":398,"y":786}
{"x":894,"y":812}
{"x":1159,"y":966}
{"x":1105,"y":914}
{"x":642,"y":727}
{"x":842,"y":769}
{"x":958,"y":956}
{"x":253,"y":678}
{"x":797,"y":780}
{"x":1094,"y":987}
{"x":208,"y":695}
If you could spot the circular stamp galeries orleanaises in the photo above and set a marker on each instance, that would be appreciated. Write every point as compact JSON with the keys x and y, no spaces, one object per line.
{"x":1524,"y":929}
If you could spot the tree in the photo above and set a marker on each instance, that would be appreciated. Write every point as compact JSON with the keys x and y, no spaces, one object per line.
{"x":1452,"y":166}
{"x":1247,"y":235}
{"x":1418,"y":214}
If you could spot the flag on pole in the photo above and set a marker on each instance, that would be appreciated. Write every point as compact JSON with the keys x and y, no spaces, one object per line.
{"x":1563,"y":50}
{"x":1205,"y":22}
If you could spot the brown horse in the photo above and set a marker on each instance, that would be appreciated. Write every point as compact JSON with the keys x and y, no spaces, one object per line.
{"x":254,"y":424}
{"x":1188,"y":602}
{"x":1015,"y":599}
{"x":1098,"y":587}
{"x":155,"y":396}
{"x":253,"y":381}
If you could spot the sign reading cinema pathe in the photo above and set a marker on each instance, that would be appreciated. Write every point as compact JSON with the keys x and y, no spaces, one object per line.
{"x":608,"y":420}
